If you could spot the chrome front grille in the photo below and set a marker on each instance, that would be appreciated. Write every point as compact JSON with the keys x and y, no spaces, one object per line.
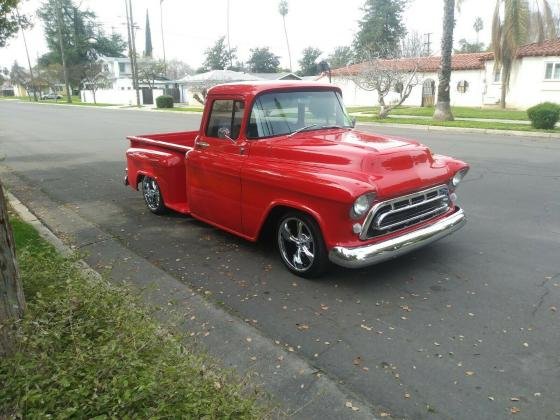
{"x":401,"y":212}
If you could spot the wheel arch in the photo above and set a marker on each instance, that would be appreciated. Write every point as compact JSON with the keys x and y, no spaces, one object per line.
{"x":275,"y":212}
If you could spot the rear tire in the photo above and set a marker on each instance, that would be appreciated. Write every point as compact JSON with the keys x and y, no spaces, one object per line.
{"x":301,"y":245}
{"x":152,"y":195}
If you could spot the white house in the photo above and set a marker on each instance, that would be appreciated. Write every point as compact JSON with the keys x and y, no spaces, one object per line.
{"x":535,"y":78}
{"x":120,"y":89}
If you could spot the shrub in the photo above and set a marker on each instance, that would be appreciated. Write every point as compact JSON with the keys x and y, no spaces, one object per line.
{"x":544,"y":115}
{"x":164,"y":101}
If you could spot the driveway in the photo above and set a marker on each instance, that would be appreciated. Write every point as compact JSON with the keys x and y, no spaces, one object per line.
{"x":466,"y":328}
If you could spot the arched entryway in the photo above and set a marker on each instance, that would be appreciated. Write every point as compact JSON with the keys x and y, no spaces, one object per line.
{"x":428,"y":92}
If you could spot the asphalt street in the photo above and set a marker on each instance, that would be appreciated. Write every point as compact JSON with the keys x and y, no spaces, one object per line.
{"x":467,"y":328}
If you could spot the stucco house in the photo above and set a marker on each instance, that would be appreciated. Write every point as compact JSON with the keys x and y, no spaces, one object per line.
{"x":120,"y":89}
{"x":535,"y":78}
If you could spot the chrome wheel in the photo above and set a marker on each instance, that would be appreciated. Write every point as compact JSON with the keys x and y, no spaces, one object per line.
{"x":296,"y":244}
{"x":152,"y":195}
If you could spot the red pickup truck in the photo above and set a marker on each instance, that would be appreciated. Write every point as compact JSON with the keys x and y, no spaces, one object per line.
{"x":285,"y":157}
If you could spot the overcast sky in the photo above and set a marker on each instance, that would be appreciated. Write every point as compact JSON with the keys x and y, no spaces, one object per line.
{"x":191,"y":26}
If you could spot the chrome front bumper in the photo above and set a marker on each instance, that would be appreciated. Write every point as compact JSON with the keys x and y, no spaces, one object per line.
{"x":363,"y":256}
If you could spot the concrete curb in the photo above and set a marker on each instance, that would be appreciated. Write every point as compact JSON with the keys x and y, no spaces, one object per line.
{"x":301,"y":390}
{"x":464,"y":130}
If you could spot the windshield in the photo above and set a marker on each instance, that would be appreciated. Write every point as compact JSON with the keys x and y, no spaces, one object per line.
{"x":281,"y":113}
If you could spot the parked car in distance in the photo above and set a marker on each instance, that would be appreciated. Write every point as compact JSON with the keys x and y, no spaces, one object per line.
{"x":51,"y":96}
{"x":284,"y":157}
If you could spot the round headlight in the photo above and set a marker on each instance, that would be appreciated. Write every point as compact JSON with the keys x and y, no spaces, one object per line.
{"x":362,"y":205}
{"x":458,"y":177}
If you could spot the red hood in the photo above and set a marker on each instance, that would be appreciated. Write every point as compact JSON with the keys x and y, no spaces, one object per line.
{"x":392,"y":165}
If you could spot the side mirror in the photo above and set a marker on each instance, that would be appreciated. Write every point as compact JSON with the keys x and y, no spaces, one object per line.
{"x":224,"y":133}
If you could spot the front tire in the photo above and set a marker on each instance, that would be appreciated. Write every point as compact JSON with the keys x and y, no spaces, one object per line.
{"x":301,"y":245}
{"x":152,"y":195}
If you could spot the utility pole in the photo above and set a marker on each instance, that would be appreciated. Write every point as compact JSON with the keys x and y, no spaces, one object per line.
{"x":162,"y":38}
{"x":228,"y":44}
{"x":27,"y":53}
{"x":132,"y":49}
{"x":428,"y":44}
{"x":61,"y":43}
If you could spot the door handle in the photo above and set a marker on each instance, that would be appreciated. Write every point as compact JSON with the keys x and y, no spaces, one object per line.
{"x":202,"y":144}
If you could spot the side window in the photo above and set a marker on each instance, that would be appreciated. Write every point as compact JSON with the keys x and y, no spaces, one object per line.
{"x":225,"y":113}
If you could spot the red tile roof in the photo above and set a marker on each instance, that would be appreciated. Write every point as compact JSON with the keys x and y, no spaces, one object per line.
{"x":470,"y":61}
{"x":467,"y":61}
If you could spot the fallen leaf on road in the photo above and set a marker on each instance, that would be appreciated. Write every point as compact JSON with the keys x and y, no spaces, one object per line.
{"x":302,"y":327}
{"x":383,"y":414}
{"x":365,"y":327}
{"x":469,"y":373}
{"x":324,"y":307}
{"x":525,"y":344}
{"x":514,"y":399}
{"x":357,"y":361}
{"x":553,"y":308}
{"x":491,"y":398}
{"x":249,"y":339}
{"x":514,"y":410}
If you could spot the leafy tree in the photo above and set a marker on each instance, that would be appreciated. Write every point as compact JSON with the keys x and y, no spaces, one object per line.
{"x":83,"y":38}
{"x":511,"y":28}
{"x":380,"y":29}
{"x":283,"y":10}
{"x":218,"y":57}
{"x":469,"y":47}
{"x":443,"y":105}
{"x":341,"y":57}
{"x":262,"y":60}
{"x":307,"y":64}
{"x":10,"y":20}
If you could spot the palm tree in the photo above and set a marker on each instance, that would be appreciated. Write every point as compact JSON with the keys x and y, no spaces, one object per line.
{"x":283,"y":10}
{"x":478,"y":26}
{"x":516,"y":23}
{"x":443,"y":105}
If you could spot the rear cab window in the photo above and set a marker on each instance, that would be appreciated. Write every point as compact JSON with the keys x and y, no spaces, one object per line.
{"x":225,"y":113}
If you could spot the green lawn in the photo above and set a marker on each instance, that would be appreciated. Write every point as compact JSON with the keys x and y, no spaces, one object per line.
{"x":463,"y":124}
{"x":458,"y":111}
{"x":87,"y":349}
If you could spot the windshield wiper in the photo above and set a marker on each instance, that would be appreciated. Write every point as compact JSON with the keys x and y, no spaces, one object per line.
{"x":334,"y":126}
{"x":299,"y":130}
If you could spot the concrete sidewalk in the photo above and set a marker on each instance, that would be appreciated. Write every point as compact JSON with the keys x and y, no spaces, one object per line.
{"x":295,"y":385}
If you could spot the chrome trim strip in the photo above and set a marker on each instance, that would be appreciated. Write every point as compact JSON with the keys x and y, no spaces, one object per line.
{"x":375,"y":253}
{"x":439,"y":210}
{"x":369,"y":218}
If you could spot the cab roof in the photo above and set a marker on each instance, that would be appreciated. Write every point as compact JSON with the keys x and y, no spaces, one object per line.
{"x":253,"y":88}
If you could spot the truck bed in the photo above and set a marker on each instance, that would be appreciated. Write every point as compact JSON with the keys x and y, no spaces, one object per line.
{"x":162,"y":157}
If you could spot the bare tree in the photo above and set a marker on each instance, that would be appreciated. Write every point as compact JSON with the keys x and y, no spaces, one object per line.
{"x":413,"y":45}
{"x":392,"y":79}
{"x":12,"y":300}
{"x":149,"y":71}
{"x":178,"y":69}
{"x":94,"y":78}
{"x":51,"y":76}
